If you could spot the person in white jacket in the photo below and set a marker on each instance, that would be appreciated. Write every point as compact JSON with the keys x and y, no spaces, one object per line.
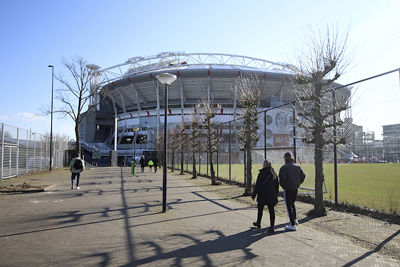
{"x":76,"y":166}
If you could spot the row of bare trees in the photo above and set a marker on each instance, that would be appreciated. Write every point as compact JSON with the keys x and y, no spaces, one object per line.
{"x":319,"y":66}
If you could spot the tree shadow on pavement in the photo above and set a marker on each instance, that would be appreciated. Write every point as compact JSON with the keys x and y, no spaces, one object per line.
{"x":203,"y":249}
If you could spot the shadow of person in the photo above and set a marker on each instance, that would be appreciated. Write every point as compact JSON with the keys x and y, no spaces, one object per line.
{"x":203,"y":249}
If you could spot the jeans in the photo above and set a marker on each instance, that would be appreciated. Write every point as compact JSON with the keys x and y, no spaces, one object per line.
{"x":290,"y":197}
{"x":73,"y":178}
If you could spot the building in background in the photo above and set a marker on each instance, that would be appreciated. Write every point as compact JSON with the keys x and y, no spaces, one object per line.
{"x":391,"y":142}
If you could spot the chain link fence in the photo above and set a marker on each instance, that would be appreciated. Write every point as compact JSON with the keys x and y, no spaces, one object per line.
{"x":363,"y":172}
{"x":23,"y":151}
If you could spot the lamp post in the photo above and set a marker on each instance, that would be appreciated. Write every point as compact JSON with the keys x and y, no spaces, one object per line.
{"x":51,"y":115}
{"x":165,"y":79}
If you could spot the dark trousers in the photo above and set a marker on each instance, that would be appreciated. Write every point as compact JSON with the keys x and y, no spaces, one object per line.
{"x":271,"y":213}
{"x":290,"y":197}
{"x":77,"y":178}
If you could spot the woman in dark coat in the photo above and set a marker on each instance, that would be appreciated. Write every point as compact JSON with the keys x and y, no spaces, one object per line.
{"x":266,"y":190}
{"x":142,"y":162}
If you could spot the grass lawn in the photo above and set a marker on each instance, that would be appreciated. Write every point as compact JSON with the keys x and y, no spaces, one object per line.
{"x":372,"y":185}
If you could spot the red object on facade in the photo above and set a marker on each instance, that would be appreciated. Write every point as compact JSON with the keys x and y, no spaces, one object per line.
{"x":195,"y":111}
{"x":170,"y":112}
{"x":129,"y":79}
{"x":222,"y":111}
{"x":151,"y":76}
{"x":178,"y":73}
{"x":148,"y":114}
{"x":239,"y":73}
{"x":209,"y":72}
{"x":265,"y":75}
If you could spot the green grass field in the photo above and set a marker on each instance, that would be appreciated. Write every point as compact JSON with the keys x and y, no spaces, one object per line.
{"x":375,"y":186}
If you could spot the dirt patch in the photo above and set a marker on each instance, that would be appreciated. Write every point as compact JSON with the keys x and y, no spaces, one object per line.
{"x":22,"y":188}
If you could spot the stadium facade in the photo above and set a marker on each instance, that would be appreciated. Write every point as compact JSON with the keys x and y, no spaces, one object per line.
{"x":134,"y":101}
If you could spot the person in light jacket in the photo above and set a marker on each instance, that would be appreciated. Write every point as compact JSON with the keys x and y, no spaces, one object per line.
{"x":266,"y":190}
{"x":76,"y":166}
{"x":291,"y":176}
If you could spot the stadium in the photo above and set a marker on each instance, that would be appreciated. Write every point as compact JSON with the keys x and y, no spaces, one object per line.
{"x":133,"y":99}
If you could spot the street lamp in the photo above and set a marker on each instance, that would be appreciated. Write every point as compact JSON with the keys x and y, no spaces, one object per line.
{"x":51,"y":115}
{"x":165,"y":79}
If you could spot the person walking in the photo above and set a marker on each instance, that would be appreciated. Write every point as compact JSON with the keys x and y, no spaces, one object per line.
{"x":142,"y":162}
{"x":266,"y":190}
{"x":76,"y":166}
{"x":155,"y":165}
{"x":150,"y":163}
{"x":291,"y":176}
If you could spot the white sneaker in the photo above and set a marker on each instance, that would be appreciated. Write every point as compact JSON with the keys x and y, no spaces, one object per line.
{"x":77,"y":188}
{"x":296,"y":222}
{"x":290,"y":227}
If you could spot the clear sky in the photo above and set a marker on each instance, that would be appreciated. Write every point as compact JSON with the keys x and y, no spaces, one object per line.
{"x":37,"y":33}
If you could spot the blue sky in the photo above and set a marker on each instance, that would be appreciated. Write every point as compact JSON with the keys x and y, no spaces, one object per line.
{"x":38,"y":33}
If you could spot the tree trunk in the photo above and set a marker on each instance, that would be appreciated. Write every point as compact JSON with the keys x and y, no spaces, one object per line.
{"x":194,"y":165}
{"x":319,"y":206}
{"x":247,"y":190}
{"x":78,"y":140}
{"x":173,"y":162}
{"x":182,"y":162}
{"x":213,"y":180}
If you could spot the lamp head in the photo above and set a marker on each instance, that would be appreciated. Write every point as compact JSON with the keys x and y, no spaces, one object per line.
{"x":93,"y":67}
{"x":166,"y":78}
{"x":50,"y":66}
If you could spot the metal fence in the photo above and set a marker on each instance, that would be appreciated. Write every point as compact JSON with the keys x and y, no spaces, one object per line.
{"x":365,"y":171}
{"x":23,"y":151}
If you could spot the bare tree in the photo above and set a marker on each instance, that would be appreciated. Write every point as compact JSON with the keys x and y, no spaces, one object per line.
{"x":182,"y":143}
{"x":248,"y":88}
{"x":318,"y":104}
{"x":172,"y":146}
{"x":75,"y":94}
{"x":194,"y":143}
{"x":210,"y":134}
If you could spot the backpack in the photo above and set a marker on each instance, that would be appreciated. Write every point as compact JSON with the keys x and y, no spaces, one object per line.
{"x":78,"y":164}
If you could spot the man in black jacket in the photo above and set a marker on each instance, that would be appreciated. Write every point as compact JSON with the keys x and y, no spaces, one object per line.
{"x":290,"y":178}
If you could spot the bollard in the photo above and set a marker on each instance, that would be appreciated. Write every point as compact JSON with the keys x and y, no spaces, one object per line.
{"x":133,"y":167}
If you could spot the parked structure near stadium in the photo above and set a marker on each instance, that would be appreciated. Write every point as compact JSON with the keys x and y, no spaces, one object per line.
{"x":134,"y":100}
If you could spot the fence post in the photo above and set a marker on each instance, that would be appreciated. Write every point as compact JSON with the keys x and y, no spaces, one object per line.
{"x":17,"y":154}
{"x":207,"y":162}
{"x":2,"y":152}
{"x":294,"y":133}
{"x":265,"y":135}
{"x":230,"y":152}
{"x":245,"y":166}
{"x":217,"y":152}
{"x":199,"y":156}
{"x":34,"y":151}
{"x":334,"y":148}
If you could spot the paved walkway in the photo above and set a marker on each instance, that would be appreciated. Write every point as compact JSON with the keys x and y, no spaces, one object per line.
{"x":116,"y":220}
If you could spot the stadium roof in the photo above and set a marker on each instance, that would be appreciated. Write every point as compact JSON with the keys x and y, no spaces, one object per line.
{"x":132,"y":84}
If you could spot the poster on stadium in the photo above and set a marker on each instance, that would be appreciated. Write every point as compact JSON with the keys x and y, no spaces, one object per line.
{"x":281,"y":140}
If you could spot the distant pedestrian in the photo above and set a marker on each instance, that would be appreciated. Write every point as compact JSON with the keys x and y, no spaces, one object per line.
{"x":155,"y":165}
{"x":150,"y":164}
{"x":76,"y":166}
{"x":142,"y":162}
{"x":291,"y":176}
{"x":266,"y":190}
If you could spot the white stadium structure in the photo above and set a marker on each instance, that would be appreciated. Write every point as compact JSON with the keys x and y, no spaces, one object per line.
{"x":134,"y":99}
